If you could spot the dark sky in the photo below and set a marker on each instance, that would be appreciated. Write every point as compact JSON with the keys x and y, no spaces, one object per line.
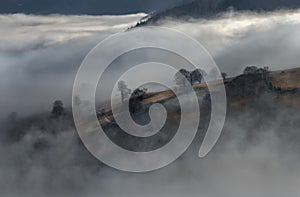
{"x":98,"y":7}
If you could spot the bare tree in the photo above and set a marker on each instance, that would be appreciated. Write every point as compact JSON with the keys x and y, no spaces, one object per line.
{"x":125,"y":91}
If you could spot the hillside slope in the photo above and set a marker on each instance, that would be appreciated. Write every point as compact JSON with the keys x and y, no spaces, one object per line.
{"x":280,"y":88}
{"x":210,"y":8}
{"x":281,"y":82}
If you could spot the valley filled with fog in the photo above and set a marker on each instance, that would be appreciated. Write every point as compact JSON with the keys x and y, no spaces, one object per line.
{"x":257,"y":153}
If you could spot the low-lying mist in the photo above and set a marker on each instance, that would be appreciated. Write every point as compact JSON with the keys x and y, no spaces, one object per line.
{"x":237,"y":39}
{"x":257,"y":155}
{"x":40,"y":55}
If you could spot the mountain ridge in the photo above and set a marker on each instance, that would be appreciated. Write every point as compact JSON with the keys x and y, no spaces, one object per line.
{"x":211,"y":8}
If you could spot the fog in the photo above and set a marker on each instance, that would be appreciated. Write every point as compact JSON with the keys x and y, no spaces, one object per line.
{"x":257,"y":155}
{"x":39,"y":57}
{"x":237,"y":39}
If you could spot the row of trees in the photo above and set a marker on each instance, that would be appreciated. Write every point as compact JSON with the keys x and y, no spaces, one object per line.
{"x":255,"y":70}
{"x":126,"y":92}
{"x":182,"y":77}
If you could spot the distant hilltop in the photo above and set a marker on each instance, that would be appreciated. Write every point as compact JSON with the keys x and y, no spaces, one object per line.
{"x":210,"y":8}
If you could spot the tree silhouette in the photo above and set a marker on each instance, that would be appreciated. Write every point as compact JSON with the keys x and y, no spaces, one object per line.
{"x":197,"y":76}
{"x":136,"y":98}
{"x":125,"y":91}
{"x":250,"y":70}
{"x":224,"y":75}
{"x":182,"y":78}
{"x":58,"y":108}
{"x":255,"y":70}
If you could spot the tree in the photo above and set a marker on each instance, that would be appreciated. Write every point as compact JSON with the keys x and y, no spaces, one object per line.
{"x":224,"y":75}
{"x":266,"y":68}
{"x":197,"y":76}
{"x":136,"y":98}
{"x":250,"y":70}
{"x":125,"y":92}
{"x":139,"y":93}
{"x":263,"y":70}
{"x":255,"y":70}
{"x":182,"y":78}
{"x":102,"y":112}
{"x":58,"y":108}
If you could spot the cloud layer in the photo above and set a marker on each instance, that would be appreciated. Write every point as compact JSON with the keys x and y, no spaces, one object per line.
{"x":39,"y":57}
{"x":237,"y":39}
